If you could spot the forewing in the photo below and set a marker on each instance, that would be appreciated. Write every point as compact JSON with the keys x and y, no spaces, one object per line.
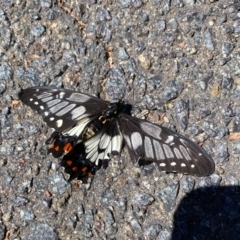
{"x":171,"y":151}
{"x":62,"y":108}
{"x":107,"y":142}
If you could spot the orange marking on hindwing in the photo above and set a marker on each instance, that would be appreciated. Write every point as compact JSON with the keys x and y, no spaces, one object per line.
{"x":56,"y":148}
{"x":84,"y":169}
{"x":68,"y":147}
{"x":69,"y":163}
{"x":74,"y":169}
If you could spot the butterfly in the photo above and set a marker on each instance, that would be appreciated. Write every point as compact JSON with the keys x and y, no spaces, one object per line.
{"x":89,"y":130}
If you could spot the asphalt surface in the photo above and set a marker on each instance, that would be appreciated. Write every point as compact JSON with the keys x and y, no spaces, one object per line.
{"x":179,"y":60}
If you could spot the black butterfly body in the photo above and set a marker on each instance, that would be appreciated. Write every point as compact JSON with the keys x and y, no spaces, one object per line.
{"x":88,"y":130}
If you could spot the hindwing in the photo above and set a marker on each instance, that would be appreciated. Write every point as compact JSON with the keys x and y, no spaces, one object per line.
{"x":107,"y":142}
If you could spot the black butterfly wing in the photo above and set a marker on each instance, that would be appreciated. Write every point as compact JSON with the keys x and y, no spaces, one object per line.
{"x":171,"y":151}
{"x":62,"y":108}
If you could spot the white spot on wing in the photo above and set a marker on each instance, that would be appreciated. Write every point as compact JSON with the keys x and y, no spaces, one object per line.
{"x":51,"y":118}
{"x":42,"y":107}
{"x":44,"y":95}
{"x":53,"y":102}
{"x":46,"y":99}
{"x":36,"y":103}
{"x":148,"y":147}
{"x":151,"y":129}
{"x":78,"y":97}
{"x":177,"y":153}
{"x":192,"y":166}
{"x":183,"y":165}
{"x":184,"y":152}
{"x":117,"y":143}
{"x":31,"y":99}
{"x":173,"y":164}
{"x":61,"y":95}
{"x":59,"y":123}
{"x":46,"y":114}
{"x":162,"y":164}
{"x":66,"y":110}
{"x":168,"y":151}
{"x":78,"y":112}
{"x":57,"y":107}
{"x":158,"y":150}
{"x":136,"y":140}
{"x":105,"y":139}
{"x":169,"y":140}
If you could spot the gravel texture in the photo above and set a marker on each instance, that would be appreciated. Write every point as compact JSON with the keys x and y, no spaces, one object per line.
{"x":178,"y":59}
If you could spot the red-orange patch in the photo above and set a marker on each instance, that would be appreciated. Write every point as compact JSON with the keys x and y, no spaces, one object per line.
{"x":84,"y":169}
{"x":68,"y":147}
{"x":69,"y":162}
{"x":74,"y":169}
{"x":56,"y":148}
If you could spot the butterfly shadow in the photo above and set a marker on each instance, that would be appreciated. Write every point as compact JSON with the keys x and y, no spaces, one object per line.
{"x":208,"y":213}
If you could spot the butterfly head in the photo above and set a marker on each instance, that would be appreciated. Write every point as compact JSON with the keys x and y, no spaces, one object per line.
{"x":113,"y":109}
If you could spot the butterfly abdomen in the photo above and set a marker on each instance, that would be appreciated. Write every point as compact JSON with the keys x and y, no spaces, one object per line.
{"x":91,"y":130}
